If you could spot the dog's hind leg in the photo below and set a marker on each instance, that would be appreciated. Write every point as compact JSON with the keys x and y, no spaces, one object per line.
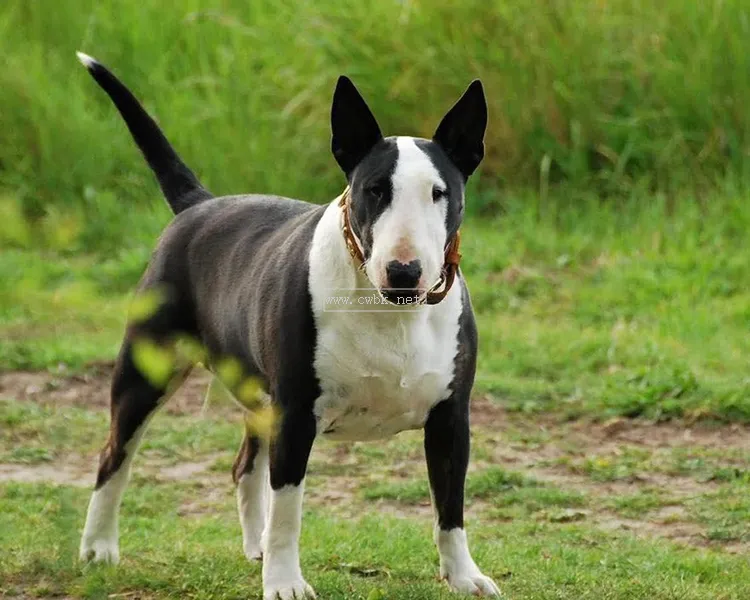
{"x":250,"y":473}
{"x":134,"y":400}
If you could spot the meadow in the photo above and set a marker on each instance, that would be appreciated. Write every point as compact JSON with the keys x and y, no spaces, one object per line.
{"x":605,"y":246}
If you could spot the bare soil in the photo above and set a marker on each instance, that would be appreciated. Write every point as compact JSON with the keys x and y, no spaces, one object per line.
{"x":91,"y":389}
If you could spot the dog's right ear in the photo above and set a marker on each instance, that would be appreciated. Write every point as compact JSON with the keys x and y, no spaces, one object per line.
{"x":354,"y":128}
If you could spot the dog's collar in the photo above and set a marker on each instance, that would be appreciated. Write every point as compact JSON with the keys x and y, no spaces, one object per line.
{"x":450,"y":266}
{"x":350,"y":238}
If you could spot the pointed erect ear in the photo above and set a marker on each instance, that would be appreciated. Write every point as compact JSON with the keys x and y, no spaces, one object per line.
{"x":355,"y":131}
{"x":461,"y":132}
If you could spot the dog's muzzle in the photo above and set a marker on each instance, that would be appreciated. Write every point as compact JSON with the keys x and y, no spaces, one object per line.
{"x":397,"y":293}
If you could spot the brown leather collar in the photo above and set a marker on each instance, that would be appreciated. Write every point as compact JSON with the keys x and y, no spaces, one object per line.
{"x":452,"y":257}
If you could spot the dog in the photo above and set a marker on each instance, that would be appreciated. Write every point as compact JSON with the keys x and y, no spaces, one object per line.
{"x":251,"y":278}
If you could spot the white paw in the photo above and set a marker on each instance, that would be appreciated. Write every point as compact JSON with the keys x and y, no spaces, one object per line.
{"x":99,"y":551}
{"x":297,"y":589}
{"x":472,"y":583}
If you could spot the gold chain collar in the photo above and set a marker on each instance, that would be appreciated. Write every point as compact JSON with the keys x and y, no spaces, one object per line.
{"x":452,"y":257}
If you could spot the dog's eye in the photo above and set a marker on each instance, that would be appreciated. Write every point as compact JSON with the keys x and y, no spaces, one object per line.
{"x":376,"y":192}
{"x":438,"y":194}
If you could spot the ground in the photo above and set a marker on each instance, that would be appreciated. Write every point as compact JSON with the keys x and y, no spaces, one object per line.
{"x":611,"y":455}
{"x":554,"y":506}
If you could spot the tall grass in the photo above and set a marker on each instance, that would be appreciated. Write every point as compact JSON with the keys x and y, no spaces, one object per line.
{"x":602,"y":94}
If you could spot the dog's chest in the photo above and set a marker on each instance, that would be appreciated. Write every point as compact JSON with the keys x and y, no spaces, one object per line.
{"x":380,"y":375}
{"x":379,"y":372}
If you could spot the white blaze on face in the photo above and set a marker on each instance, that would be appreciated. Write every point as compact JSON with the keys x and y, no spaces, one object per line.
{"x":413,"y":226}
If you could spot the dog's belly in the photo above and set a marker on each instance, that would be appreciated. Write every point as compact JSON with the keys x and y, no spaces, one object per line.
{"x":374,"y":407}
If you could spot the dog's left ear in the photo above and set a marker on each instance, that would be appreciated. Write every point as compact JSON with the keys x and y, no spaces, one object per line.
{"x":461,"y":132}
{"x":354,"y":128}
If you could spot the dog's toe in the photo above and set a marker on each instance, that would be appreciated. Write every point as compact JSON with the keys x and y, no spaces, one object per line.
{"x":476,"y":584}
{"x":486,"y":586}
{"x":100,"y":551}
{"x":296,"y":590}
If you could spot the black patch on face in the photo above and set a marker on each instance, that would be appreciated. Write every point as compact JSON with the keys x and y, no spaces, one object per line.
{"x":454,"y":182}
{"x":373,"y":174}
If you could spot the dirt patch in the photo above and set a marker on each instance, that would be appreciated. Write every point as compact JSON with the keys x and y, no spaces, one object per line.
{"x":80,"y":471}
{"x":672,"y":523}
{"x":340,"y":493}
{"x":679,"y":488}
{"x":682,"y":532}
{"x":90,"y":390}
{"x":70,"y":472}
{"x":612,"y":434}
{"x":183,"y":470}
{"x":671,"y":434}
{"x":555,"y":442}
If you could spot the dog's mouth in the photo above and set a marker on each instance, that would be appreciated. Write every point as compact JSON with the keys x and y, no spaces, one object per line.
{"x":403,"y":297}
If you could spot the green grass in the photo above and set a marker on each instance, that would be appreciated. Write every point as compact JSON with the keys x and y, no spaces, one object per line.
{"x":540,"y":539}
{"x":632,"y":304}
{"x":725,"y":512}
{"x":166,"y":556}
{"x":63,"y":309}
{"x":30,"y":433}
{"x":615,"y":309}
{"x":640,"y":504}
{"x":593,"y":308}
{"x":617,"y":97}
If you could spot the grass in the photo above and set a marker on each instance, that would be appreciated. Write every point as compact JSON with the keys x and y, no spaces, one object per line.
{"x":539,"y":537}
{"x":613,"y":97}
{"x":594,"y":308}
{"x":205,"y":560}
{"x":35,"y":433}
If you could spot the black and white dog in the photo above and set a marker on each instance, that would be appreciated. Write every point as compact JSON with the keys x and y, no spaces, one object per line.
{"x":251,"y":277}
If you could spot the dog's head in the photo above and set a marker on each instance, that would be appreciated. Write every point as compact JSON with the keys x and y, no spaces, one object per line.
{"x":407,"y":194}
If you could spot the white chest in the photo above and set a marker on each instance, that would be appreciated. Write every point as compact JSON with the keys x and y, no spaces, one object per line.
{"x":380,"y":375}
{"x":379,"y":372}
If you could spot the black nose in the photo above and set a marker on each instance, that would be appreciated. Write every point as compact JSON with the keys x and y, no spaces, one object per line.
{"x":402,"y":275}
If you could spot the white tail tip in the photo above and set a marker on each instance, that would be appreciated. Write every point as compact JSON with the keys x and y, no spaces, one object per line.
{"x":86,"y":60}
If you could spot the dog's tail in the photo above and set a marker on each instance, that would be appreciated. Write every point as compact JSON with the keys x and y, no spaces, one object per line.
{"x":178,"y":183}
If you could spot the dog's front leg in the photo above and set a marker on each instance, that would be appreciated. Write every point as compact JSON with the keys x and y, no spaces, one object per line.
{"x":446,"y":445}
{"x":282,"y":575}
